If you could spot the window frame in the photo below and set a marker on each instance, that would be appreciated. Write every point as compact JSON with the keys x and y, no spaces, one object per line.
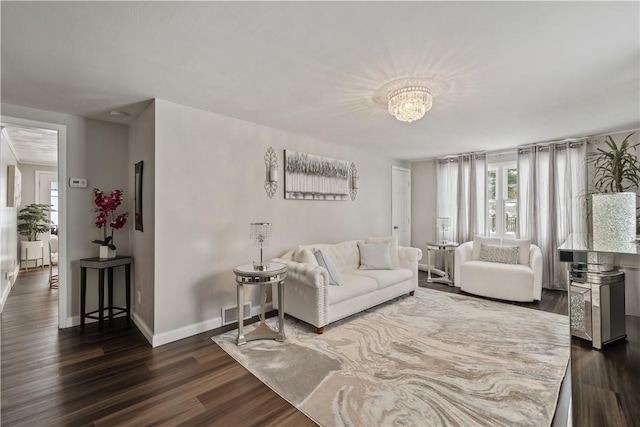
{"x":501,"y":198}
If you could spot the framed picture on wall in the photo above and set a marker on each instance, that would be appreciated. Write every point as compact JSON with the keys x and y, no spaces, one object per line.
{"x":138,"y":196}
{"x":312,"y":177}
{"x":14,"y":186}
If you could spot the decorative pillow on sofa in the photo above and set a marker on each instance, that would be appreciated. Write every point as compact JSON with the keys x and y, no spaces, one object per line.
{"x":324,"y":260}
{"x":478,"y":241}
{"x":375,"y":256}
{"x":501,"y":254}
{"x":394,"y":247}
{"x":523,"y":244}
{"x":304,"y":255}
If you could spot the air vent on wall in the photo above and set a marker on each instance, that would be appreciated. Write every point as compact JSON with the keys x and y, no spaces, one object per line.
{"x":230,"y":313}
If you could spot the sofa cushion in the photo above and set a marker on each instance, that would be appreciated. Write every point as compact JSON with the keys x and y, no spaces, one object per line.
{"x":395,"y":259}
{"x":345,"y":255}
{"x":501,"y":254}
{"x":375,"y":256}
{"x":523,"y":244}
{"x":324,"y":260}
{"x":480,"y":278}
{"x":305,"y":256}
{"x":385,"y":278}
{"x":354,"y":286}
{"x":479,"y":240}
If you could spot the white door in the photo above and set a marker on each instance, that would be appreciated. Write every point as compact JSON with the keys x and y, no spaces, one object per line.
{"x":47,"y":194}
{"x":401,"y":205}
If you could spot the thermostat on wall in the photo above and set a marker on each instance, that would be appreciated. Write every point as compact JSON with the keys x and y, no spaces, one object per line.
{"x":78,"y":182}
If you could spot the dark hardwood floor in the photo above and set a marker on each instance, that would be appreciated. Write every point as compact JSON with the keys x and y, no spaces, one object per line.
{"x":71,"y":377}
{"x":68,"y":377}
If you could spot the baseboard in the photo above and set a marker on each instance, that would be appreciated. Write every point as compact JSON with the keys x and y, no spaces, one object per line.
{"x":197,"y":328}
{"x":5,"y":295}
{"x":12,"y":281}
{"x":143,"y":328}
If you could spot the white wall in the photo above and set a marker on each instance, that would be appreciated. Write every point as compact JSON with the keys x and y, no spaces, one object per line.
{"x":142,"y":147}
{"x":29,"y":180}
{"x":423,"y":205}
{"x":632,"y":275}
{"x":8,"y":226}
{"x":97,"y":151}
{"x":210,"y":186}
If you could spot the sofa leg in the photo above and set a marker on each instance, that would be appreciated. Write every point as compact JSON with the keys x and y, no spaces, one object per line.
{"x":319,"y":331}
{"x":412,"y":293}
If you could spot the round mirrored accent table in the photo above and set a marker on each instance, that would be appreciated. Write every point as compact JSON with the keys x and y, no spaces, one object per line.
{"x":247,"y":275}
{"x":447,"y":249}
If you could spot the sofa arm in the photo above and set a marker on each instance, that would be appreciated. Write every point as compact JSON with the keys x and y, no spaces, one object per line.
{"x":463,"y":253}
{"x":409,"y":258}
{"x":535,"y":261}
{"x":307,"y":274}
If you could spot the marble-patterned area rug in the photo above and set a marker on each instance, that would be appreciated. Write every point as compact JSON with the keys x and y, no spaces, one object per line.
{"x":436,"y":359}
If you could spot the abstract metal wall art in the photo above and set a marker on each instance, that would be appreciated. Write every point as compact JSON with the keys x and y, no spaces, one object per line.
{"x":311,"y":177}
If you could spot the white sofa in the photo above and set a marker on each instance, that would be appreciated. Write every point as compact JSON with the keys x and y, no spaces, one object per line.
{"x":310,"y":297}
{"x":512,"y":282}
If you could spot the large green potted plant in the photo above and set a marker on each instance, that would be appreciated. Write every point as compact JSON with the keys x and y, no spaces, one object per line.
{"x":33,"y":220}
{"x":616,"y":174}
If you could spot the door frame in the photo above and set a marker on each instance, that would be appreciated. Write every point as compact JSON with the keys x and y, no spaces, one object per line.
{"x":408,"y":207}
{"x":64,"y":294}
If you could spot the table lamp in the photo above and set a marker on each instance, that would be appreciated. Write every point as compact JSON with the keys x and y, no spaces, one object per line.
{"x":260,"y":233}
{"x":443,"y":223}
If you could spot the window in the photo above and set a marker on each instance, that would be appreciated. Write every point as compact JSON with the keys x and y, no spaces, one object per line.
{"x":502,"y":195}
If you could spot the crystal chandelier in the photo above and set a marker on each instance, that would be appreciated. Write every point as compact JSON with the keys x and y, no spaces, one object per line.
{"x":409,"y":103}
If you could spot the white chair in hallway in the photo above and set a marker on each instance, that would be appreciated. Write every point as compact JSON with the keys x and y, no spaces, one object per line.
{"x":53,"y":261}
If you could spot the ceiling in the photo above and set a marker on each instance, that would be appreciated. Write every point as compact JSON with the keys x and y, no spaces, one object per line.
{"x":32,"y":145}
{"x":502,"y":73}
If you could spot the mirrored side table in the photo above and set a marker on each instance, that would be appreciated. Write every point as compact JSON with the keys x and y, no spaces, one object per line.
{"x":246,"y":275}
{"x":447,"y":249}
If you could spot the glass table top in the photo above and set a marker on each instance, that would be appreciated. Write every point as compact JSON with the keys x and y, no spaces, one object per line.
{"x":585,"y":243}
{"x":271,"y":269}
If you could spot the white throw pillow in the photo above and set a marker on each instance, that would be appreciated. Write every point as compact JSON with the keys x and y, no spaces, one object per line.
{"x":395,"y":260}
{"x":305,"y":256}
{"x":324,"y":260}
{"x":501,"y":254}
{"x":375,"y":256}
{"x":523,"y":244}
{"x":479,"y":240}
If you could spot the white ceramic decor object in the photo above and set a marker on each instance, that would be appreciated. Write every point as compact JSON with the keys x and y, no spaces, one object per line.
{"x":105,"y":252}
{"x":614,"y":219}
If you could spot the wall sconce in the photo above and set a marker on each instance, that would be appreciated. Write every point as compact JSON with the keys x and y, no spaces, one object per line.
{"x":354,"y":181}
{"x":271,"y":174}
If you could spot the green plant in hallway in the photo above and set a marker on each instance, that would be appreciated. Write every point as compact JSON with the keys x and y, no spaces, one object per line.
{"x":34,"y":220}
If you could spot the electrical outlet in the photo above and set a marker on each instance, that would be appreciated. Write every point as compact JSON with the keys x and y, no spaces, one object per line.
{"x":139,"y":297}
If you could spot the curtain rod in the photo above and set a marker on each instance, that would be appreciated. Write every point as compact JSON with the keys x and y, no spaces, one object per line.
{"x":514,"y":150}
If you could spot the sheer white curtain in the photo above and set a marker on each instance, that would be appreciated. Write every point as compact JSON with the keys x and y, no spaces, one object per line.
{"x":461,"y":194}
{"x":552,"y":179}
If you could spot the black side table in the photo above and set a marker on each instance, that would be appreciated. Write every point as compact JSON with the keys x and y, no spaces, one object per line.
{"x":102,"y":264}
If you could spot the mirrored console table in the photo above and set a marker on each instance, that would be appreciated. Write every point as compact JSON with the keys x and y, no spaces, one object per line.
{"x":597,"y":294}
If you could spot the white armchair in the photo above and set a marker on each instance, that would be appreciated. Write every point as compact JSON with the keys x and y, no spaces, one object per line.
{"x":512,"y":282}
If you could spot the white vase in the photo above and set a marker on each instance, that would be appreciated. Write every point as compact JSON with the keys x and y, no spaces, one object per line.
{"x":614,"y":219}
{"x":105,"y":252}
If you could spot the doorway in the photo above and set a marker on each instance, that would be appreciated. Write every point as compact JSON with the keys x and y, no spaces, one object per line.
{"x":30,"y":155}
{"x":401,"y":205}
